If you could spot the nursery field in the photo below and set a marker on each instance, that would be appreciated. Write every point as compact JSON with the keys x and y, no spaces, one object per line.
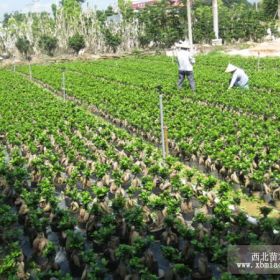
{"x":233,"y":133}
{"x":86,"y":194}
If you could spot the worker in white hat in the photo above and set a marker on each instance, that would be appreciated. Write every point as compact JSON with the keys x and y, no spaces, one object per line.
{"x":239,"y":77}
{"x":185,"y":64}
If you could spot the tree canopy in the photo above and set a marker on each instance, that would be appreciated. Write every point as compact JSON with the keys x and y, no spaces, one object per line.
{"x":158,"y":25}
{"x":270,"y":8}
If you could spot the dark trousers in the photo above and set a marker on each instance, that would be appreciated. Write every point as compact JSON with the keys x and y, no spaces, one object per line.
{"x":189,"y":75}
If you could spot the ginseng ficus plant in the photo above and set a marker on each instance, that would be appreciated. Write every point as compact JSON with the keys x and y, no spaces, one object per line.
{"x":84,"y":198}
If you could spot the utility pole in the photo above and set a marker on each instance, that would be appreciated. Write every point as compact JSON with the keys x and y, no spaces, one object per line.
{"x":217,"y":40}
{"x":215,"y":18}
{"x":189,"y":16}
{"x":278,"y":9}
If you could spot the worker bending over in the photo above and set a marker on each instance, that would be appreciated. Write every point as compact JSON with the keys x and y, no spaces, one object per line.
{"x":185,"y":64}
{"x":239,"y":77}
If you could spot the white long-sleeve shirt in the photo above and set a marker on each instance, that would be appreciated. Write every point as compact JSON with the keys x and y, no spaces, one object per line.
{"x":185,"y":60}
{"x":239,"y":78}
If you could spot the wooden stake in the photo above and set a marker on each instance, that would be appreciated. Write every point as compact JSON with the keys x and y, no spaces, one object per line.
{"x":63,"y":85}
{"x":162,"y":126}
{"x":258,"y":61}
{"x":166,"y":140}
{"x":30,"y":72}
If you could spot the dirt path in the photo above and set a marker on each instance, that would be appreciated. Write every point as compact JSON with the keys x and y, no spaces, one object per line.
{"x":265,"y":49}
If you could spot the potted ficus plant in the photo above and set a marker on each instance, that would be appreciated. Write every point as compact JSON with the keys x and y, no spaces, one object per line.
{"x":35,"y":223}
{"x":180,"y":271}
{"x":134,"y":217}
{"x":209,"y":182}
{"x":176,"y":182}
{"x":100,"y":192}
{"x":86,"y":179}
{"x":135,"y":265}
{"x":47,"y":255}
{"x":171,"y":254}
{"x":187,"y":195}
{"x":11,"y":263}
{"x":265,"y":211}
{"x":136,"y":170}
{"x":95,"y":268}
{"x":118,"y":204}
{"x":71,"y":193}
{"x":123,"y":253}
{"x":156,"y":202}
{"x":74,"y":246}
{"x":103,"y":231}
{"x":85,"y":198}
{"x":62,"y":221}
{"x":117,"y":176}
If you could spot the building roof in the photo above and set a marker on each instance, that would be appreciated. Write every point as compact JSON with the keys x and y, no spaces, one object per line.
{"x":140,"y":4}
{"x":136,"y":5}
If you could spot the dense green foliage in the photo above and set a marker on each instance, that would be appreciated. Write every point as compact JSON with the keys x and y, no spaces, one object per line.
{"x":24,"y":46}
{"x":19,"y":17}
{"x":165,"y":24}
{"x":156,"y":26}
{"x":112,"y":40}
{"x":270,"y":8}
{"x":48,"y":44}
{"x":76,"y":42}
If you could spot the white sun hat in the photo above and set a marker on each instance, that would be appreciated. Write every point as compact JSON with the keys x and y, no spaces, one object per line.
{"x":178,"y":44}
{"x":230,"y":68}
{"x":185,"y":45}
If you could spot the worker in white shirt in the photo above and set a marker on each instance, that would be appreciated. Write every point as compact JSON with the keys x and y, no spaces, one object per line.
{"x":185,"y":64}
{"x":239,"y":77}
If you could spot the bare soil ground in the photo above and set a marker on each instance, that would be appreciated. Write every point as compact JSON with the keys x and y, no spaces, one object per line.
{"x":43,"y":59}
{"x":265,"y":49}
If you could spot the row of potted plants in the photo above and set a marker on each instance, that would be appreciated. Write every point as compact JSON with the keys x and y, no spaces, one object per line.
{"x":90,"y":197}
{"x":227,"y":146}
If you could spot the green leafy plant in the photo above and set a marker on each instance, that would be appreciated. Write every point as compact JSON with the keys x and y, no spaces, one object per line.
{"x":103,"y":234}
{"x":209,"y":182}
{"x":112,"y":40}
{"x":100,"y":192}
{"x":134,"y":217}
{"x":171,"y":253}
{"x":48,"y":44}
{"x":24,"y":46}
{"x":9,"y":262}
{"x":265,"y":211}
{"x":76,"y":42}
{"x":49,"y":250}
{"x":74,"y":241}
